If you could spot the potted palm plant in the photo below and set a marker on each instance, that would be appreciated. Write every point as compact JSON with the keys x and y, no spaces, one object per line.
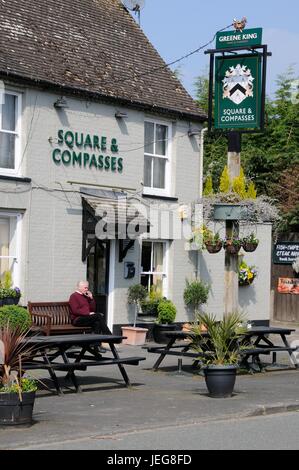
{"x":220,"y":346}
{"x":17,"y":392}
{"x":135,"y":335}
{"x":165,"y":321}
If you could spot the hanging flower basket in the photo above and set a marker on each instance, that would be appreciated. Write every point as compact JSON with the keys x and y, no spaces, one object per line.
{"x":249,"y":246}
{"x":233,"y":246}
{"x":250,"y":243}
{"x":213,"y":247}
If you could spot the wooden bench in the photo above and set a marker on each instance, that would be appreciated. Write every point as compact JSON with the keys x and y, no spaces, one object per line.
{"x":53,"y":318}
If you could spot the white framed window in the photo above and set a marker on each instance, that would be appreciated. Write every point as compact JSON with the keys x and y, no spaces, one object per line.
{"x":157,"y":151}
{"x":10,"y":132}
{"x":154,"y":262}
{"x":10,"y":245}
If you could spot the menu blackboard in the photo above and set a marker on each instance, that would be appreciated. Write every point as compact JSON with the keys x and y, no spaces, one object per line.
{"x":285,"y":252}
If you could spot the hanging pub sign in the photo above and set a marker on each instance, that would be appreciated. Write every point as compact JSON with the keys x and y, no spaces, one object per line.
{"x":285,"y":252}
{"x":238,"y":92}
{"x":245,"y":38}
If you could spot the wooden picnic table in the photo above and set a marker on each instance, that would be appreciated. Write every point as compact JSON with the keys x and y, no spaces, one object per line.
{"x":75,"y":352}
{"x":256,"y":342}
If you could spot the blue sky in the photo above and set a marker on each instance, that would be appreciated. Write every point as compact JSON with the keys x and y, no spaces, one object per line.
{"x":176,"y":27}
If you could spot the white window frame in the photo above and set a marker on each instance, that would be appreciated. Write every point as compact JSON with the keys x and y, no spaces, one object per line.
{"x":13,"y":171}
{"x":165,"y":271}
{"x":16,"y":272}
{"x":150,"y":189}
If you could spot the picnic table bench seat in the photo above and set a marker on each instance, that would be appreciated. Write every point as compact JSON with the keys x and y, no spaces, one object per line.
{"x":53,"y":318}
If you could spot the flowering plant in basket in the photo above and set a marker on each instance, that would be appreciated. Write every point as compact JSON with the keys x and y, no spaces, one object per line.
{"x":247,"y":274}
{"x":250,"y":242}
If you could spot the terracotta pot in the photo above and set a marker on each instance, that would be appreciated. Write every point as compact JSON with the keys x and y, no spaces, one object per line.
{"x":134,"y":335}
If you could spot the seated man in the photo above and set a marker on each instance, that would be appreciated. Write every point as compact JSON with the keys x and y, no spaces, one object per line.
{"x":82,"y":310}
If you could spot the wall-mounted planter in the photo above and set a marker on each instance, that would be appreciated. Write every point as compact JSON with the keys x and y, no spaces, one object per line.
{"x":225,"y":211}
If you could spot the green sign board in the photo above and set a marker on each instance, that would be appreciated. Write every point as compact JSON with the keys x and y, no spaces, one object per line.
{"x":248,"y":37}
{"x":237,"y":92}
{"x":285,"y":252}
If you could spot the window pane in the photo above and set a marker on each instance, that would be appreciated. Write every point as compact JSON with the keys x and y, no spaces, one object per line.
{"x":146,"y":257}
{"x":146,"y":281}
{"x":161,"y":136}
{"x":7,"y":150}
{"x":4,"y":245}
{"x":147,"y":177}
{"x":149,"y":138}
{"x":159,"y":172}
{"x":158,"y":257}
{"x":9,"y":113}
{"x":158,"y":284}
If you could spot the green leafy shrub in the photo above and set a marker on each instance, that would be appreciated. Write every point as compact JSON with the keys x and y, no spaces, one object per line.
{"x":195,"y":294}
{"x":16,"y":316}
{"x":136,"y":293}
{"x":223,"y":340}
{"x":208,"y":189}
{"x":225,"y":181}
{"x":166,"y":312}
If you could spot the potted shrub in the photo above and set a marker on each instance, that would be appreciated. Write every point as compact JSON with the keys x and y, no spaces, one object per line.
{"x":233,"y":245}
{"x":165,"y":321}
{"x":9,"y":295}
{"x":16,"y":316}
{"x":149,"y":306}
{"x":250,"y":243}
{"x":135,"y":335}
{"x":195,"y":294}
{"x":17,"y":393}
{"x":221,"y":348}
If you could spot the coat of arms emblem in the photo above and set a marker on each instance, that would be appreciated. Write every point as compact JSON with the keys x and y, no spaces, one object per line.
{"x":238,"y":84}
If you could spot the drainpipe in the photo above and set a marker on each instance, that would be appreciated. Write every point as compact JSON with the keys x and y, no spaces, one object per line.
{"x":201,"y":151}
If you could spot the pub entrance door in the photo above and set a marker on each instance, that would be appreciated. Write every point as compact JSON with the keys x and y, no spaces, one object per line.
{"x":98,"y":274}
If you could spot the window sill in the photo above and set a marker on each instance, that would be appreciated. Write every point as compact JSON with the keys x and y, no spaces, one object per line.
{"x":156,"y":196}
{"x":15,"y":178}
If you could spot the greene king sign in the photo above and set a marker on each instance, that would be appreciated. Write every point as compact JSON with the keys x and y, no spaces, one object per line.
{"x":248,"y":37}
{"x":238,"y":92}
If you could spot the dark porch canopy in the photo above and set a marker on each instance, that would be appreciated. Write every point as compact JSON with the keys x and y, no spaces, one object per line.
{"x":111,"y":215}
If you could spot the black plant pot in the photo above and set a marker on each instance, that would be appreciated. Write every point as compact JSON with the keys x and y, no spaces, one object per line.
{"x":220,"y":380}
{"x":9,"y":301}
{"x":159,"y":332}
{"x":13,"y":411}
